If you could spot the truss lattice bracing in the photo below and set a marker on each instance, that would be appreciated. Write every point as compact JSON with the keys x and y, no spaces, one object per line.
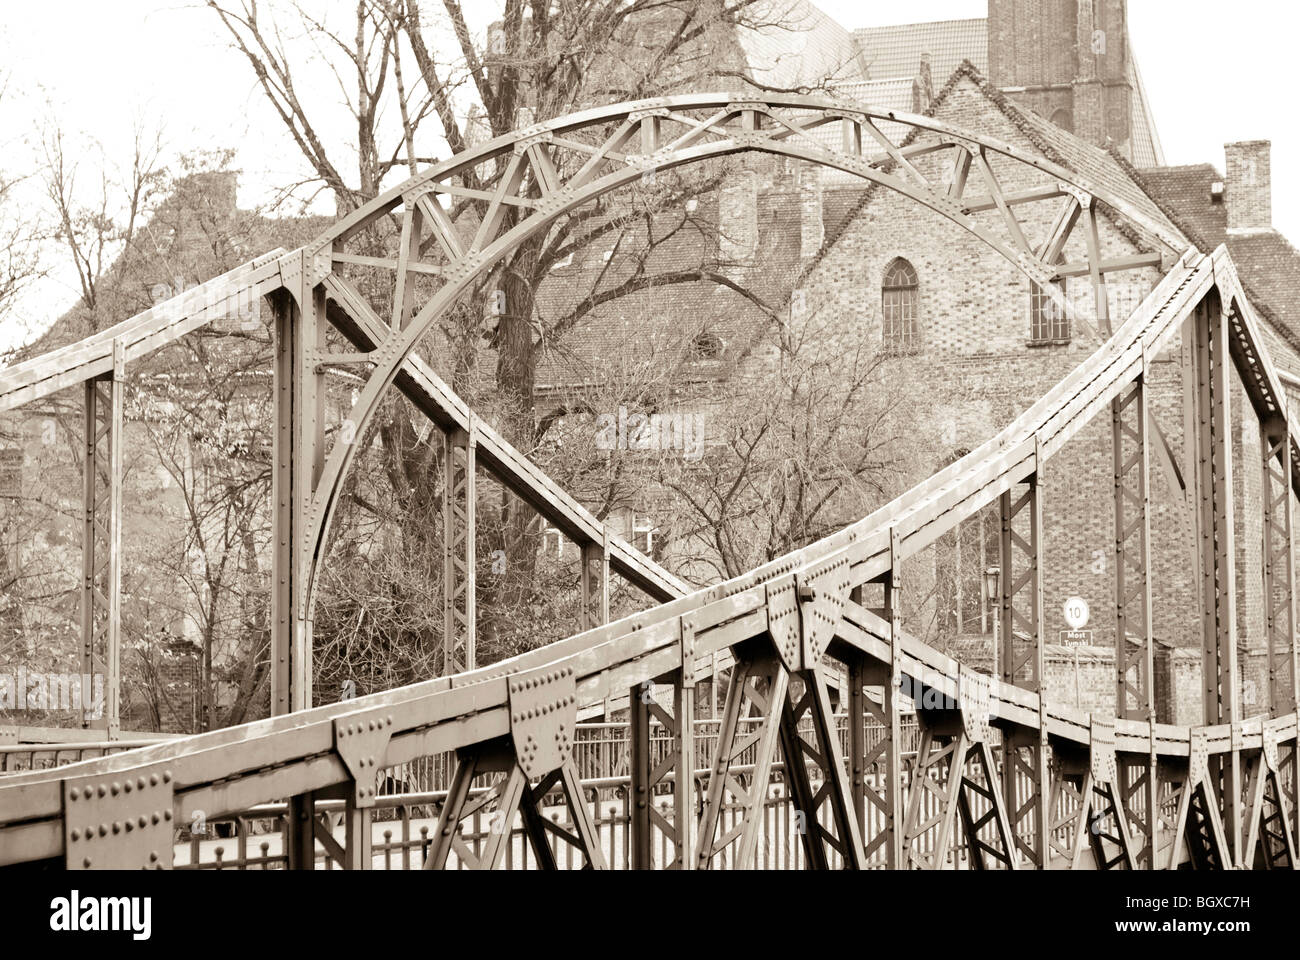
{"x":1138,"y":781}
{"x":101,"y":586}
{"x":1004,"y":777}
{"x":458,"y":570}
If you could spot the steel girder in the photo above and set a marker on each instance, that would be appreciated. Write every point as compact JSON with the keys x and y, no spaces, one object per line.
{"x":1139,"y":782}
{"x":101,"y":584}
{"x":459,"y":576}
{"x":551,"y":169}
{"x":782,"y":620}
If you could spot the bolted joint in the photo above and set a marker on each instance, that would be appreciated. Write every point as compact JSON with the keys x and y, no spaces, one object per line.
{"x":361,"y":742}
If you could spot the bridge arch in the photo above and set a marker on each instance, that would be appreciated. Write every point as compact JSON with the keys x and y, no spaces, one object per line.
{"x":535,"y":178}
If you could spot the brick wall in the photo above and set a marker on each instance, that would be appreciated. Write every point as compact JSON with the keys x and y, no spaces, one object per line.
{"x":975,"y":371}
{"x":1249,"y":185}
{"x":1066,"y":56}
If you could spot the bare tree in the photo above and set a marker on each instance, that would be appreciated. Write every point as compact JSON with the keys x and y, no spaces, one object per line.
{"x":98,"y":212}
{"x":404,"y":89}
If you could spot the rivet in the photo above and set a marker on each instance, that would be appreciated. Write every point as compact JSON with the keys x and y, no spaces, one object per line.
{"x":73,"y":794}
{"x":116,"y":788}
{"x":76,"y":834}
{"x":167,"y":776}
{"x":117,"y":826}
{"x":143,"y":821}
{"x":86,"y":862}
{"x":167,"y":814}
{"x":103,"y":829}
{"x":129,"y":826}
{"x":153,"y":779}
{"x":100,"y":790}
{"x":127,"y":786}
{"x":140,"y":783}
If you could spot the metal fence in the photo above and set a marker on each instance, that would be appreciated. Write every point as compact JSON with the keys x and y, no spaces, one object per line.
{"x":601,"y":751}
{"x":412,"y":795}
{"x":16,"y":758}
{"x":403,"y":825}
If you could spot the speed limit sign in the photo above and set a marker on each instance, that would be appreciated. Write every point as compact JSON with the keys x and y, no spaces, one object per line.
{"x":1076,"y":613}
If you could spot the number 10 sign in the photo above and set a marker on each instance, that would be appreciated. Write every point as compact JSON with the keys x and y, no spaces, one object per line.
{"x":1076,"y":613}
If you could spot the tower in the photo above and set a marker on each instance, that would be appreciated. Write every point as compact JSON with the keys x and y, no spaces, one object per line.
{"x":1069,"y":61}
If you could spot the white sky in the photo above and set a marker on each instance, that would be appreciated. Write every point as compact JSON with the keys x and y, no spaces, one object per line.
{"x":1211,"y":78}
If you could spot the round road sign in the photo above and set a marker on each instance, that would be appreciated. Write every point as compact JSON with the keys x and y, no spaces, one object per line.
{"x":1076,"y":613}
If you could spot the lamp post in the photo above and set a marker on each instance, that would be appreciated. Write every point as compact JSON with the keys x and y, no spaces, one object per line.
{"x":992,"y":576}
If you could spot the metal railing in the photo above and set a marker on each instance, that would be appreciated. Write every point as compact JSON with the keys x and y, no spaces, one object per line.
{"x":19,"y":757}
{"x":412,"y":795}
{"x":402,"y":823}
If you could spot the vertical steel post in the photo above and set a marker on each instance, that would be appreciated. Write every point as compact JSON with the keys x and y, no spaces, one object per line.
{"x":284,"y":535}
{"x":300,"y":835}
{"x":298,"y":456}
{"x":1279,"y":572}
{"x":640,"y":850}
{"x":298,"y":313}
{"x":1133,"y":609}
{"x":113,"y":574}
{"x":854,"y":700}
{"x":357,"y":836}
{"x":895,"y":811}
{"x":90,"y":503}
{"x":458,"y":533}
{"x":595,"y":584}
{"x":684,"y":804}
{"x":101,"y":547}
{"x":1025,"y":756}
{"x":1212,"y":419}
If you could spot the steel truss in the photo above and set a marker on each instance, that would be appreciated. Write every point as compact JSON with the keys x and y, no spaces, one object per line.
{"x":101,"y":584}
{"x":996,"y":759}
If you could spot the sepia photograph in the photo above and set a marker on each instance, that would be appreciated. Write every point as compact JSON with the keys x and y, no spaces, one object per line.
{"x":648,"y":435}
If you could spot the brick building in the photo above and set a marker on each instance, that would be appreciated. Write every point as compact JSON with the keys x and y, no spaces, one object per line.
{"x":1059,"y":80}
{"x":777,"y":246}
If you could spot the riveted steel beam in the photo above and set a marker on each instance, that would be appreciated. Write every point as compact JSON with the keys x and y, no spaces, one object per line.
{"x":459,"y":573}
{"x":101,"y":545}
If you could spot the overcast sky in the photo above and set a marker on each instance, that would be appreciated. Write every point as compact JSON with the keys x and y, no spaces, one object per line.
{"x":97,"y":66}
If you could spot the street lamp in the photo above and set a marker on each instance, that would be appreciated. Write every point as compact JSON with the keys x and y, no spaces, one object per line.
{"x":991,"y":577}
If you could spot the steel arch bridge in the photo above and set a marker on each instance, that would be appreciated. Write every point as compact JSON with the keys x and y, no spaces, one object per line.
{"x":1016,"y":780}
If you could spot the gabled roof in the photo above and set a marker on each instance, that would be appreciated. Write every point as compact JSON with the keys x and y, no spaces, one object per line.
{"x":1184,"y":193}
{"x":1266,"y":262}
{"x":895,"y":51}
{"x":637,"y":325}
{"x":1105,"y":168}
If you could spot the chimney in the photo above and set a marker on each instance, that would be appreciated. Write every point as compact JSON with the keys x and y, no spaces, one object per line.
{"x":1249,"y":186}
{"x":812,"y":228}
{"x":922,"y":86}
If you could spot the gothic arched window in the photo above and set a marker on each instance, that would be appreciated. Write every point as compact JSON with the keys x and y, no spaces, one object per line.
{"x":900,"y":305}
